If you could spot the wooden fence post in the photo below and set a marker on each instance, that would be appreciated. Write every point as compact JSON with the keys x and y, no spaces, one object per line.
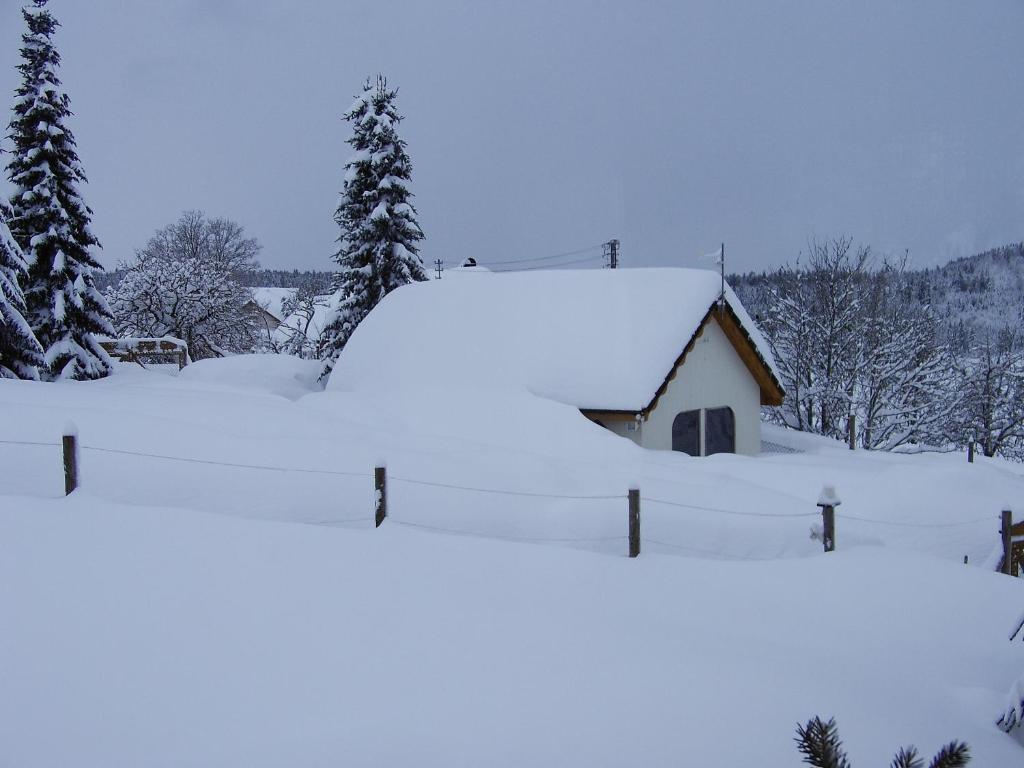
{"x":828,"y":501}
{"x":828,"y":518}
{"x":70,"y":445}
{"x":1007,"y":522}
{"x":380,"y":485}
{"x":970,"y":451}
{"x":634,"y":522}
{"x":851,"y":430}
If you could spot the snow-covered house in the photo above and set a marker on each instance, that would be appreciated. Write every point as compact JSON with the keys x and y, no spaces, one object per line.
{"x":651,"y":354}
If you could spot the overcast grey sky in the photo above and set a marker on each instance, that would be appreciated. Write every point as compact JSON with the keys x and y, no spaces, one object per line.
{"x":541,"y":127}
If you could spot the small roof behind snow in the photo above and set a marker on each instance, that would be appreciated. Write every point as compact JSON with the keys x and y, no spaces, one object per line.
{"x":595,"y":339}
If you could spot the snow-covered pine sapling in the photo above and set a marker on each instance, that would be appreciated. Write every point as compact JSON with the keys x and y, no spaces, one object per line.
{"x":820,"y":744}
{"x":378,"y":245}
{"x":20,"y":353}
{"x":821,"y":747}
{"x":50,"y":220}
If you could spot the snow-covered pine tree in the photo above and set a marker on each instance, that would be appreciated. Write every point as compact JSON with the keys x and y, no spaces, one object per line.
{"x":379,"y":232}
{"x":20,"y":353}
{"x":49,"y":220}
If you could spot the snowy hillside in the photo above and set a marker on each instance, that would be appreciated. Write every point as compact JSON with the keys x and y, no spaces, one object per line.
{"x":215,"y":592}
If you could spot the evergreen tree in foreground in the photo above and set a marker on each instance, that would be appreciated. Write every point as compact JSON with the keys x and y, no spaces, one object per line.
{"x":379,"y":231}
{"x":50,"y":221}
{"x":20,"y":353}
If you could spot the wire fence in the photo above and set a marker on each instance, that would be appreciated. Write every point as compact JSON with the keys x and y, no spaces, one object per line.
{"x":70,"y":465}
{"x":232,"y":464}
{"x":722,"y":511}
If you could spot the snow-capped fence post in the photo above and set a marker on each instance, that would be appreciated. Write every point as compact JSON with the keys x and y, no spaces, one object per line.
{"x":851,"y":430}
{"x":634,"y":522}
{"x":380,"y":485}
{"x":1007,"y":533}
{"x":70,"y":445}
{"x":828,"y":501}
{"x":970,"y":450}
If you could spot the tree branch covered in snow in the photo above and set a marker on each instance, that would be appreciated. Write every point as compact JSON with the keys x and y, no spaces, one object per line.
{"x":184,"y":283}
{"x":21,"y":357}
{"x":852,"y":340}
{"x":299,"y":335}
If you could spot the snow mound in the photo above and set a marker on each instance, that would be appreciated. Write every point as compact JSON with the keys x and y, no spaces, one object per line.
{"x":602,"y":339}
{"x":282,"y":375}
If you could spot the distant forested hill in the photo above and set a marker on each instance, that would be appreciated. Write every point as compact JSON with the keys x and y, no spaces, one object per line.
{"x":984,"y":292}
{"x":258,"y":278}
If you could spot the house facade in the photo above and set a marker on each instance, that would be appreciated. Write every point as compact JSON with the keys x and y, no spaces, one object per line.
{"x":711,"y":399}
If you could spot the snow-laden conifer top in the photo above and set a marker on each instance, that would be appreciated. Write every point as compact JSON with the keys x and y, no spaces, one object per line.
{"x":602,"y":339}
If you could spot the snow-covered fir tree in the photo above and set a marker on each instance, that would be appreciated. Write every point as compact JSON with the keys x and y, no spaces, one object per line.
{"x":20,"y":353}
{"x":379,"y":232}
{"x":49,"y":220}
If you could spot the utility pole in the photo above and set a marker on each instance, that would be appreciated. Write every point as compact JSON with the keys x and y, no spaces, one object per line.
{"x":611,"y":252}
{"x":438,"y":264}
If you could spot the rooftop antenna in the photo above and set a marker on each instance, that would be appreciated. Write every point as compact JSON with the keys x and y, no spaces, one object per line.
{"x":721,"y":269}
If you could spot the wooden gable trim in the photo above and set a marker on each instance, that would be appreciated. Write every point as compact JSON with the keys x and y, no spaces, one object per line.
{"x":771,"y":391}
{"x":677,"y":365}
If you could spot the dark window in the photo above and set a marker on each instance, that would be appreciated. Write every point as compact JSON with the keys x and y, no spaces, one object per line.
{"x":686,"y":433}
{"x":719,"y":431}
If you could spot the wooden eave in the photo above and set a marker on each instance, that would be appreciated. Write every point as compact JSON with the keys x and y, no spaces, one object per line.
{"x":609,"y":415}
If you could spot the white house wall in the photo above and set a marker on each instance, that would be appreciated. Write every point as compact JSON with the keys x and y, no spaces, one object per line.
{"x":622,"y":428}
{"x":712,"y":376}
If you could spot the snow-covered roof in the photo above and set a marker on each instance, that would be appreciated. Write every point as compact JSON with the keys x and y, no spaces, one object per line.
{"x":272,"y":300}
{"x":595,"y":339}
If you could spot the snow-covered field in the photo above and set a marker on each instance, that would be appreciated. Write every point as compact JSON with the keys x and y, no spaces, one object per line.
{"x":173,"y":612}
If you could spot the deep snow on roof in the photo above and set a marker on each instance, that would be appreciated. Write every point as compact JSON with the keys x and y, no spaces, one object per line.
{"x":272,"y":300}
{"x":601,"y":339}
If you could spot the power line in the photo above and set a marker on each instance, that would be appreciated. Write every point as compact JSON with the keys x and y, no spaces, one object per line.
{"x":546,"y":258}
{"x":552,"y":266}
{"x":29,"y":442}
